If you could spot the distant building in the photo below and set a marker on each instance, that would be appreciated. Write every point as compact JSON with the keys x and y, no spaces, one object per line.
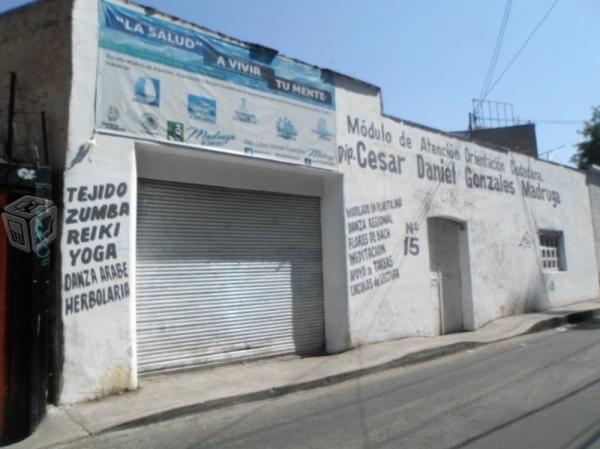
{"x":517,"y":138}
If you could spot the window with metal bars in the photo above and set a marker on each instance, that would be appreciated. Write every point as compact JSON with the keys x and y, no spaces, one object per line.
{"x":551,"y":250}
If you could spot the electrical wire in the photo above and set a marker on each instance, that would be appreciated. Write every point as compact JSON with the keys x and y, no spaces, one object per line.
{"x":497,"y":46}
{"x":558,"y":122}
{"x":514,"y":58}
{"x":496,"y":52}
{"x":564,"y":146}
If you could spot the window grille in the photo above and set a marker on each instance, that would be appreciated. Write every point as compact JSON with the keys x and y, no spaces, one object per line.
{"x":551,"y":251}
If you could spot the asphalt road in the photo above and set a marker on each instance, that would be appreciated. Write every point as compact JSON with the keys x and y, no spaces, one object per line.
{"x":537,"y":391}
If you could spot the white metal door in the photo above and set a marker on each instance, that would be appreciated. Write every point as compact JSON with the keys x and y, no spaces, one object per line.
{"x":444,"y":242}
{"x":226,"y":274}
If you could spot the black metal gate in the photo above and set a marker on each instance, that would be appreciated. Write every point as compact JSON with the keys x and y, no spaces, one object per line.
{"x":29,"y":315}
{"x":27,"y":312}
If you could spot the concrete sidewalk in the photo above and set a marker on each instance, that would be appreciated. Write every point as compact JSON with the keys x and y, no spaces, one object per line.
{"x":172,"y":395}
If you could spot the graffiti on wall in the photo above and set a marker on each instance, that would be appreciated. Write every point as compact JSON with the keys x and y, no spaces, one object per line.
{"x":30,"y":224}
{"x":526,"y":241}
{"x":93,"y":225}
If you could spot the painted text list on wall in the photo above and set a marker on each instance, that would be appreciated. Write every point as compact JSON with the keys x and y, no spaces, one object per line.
{"x":98,"y":274}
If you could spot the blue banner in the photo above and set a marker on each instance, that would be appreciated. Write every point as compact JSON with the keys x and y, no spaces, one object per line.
{"x":140,"y":35}
{"x":164,"y":80}
{"x":124,"y":21}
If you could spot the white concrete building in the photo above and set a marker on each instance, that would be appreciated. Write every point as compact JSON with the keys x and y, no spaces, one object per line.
{"x":593,"y":181}
{"x":185,"y":244}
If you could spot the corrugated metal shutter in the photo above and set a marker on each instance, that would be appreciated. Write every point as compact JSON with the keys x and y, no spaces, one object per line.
{"x":226,"y":274}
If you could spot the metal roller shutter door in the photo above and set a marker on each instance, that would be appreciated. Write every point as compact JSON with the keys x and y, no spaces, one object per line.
{"x":226,"y":274}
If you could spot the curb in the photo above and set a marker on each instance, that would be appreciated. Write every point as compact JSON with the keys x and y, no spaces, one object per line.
{"x":406,"y":360}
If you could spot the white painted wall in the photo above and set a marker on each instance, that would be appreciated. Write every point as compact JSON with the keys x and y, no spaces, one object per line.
{"x":100,"y":356}
{"x":506,"y":274}
{"x":99,"y":339}
{"x":506,"y":277}
{"x":99,"y":343}
{"x":593,"y":181}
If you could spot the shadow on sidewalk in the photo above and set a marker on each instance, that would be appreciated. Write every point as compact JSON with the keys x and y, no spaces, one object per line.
{"x":593,"y":324}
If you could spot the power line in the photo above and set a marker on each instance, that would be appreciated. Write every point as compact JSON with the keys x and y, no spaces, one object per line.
{"x":552,"y":150}
{"x":558,"y":122}
{"x":497,"y":46}
{"x":514,"y":58}
{"x":564,"y":146}
{"x":496,"y":52}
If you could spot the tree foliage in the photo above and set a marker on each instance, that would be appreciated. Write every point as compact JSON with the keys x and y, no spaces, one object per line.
{"x":588,"y":151}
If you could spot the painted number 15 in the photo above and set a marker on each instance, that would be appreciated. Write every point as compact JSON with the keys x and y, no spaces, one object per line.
{"x":411,"y":246}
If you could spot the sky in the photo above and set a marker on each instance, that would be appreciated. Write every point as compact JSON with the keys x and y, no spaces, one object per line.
{"x":430,"y":57}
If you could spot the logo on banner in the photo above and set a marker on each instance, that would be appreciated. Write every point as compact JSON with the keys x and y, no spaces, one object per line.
{"x":113,"y":114}
{"x":202,"y":108}
{"x":243,"y":114}
{"x":286,"y":129}
{"x":149,"y":123}
{"x":175,"y":131}
{"x":147,"y":91}
{"x":112,"y":119}
{"x":322,"y":131}
{"x":206,"y":137}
